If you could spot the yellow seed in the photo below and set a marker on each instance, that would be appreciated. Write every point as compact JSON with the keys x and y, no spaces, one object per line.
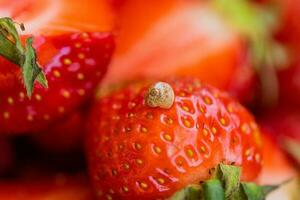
{"x":22,"y":95}
{"x":187,"y":123}
{"x":167,"y":137}
{"x":161,"y":180}
{"x":114,"y":172}
{"x":6,"y":115}
{"x":108,"y":197}
{"x":81,"y":92}
{"x":137,"y":146}
{"x":214,"y":130}
{"x":56,"y":73}
{"x":202,"y":149}
{"x":190,"y":153}
{"x":67,"y":61}
{"x":207,"y":100}
{"x":81,"y":56}
{"x":38,"y":97}
{"x":143,"y":185}
{"x":144,"y":130}
{"x":10,"y":100}
{"x":247,"y":152}
{"x":205,"y":132}
{"x":185,"y":108}
{"x":77,"y":45}
{"x":139,"y":161}
{"x":126,"y":166}
{"x":223,"y":121}
{"x":30,"y":118}
{"x":125,"y":189}
{"x":66,"y":94}
{"x":80,"y":76}
{"x":157,"y":149}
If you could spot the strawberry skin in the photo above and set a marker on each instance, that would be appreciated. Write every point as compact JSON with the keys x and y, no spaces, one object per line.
{"x":74,"y":64}
{"x":6,"y":155}
{"x":135,"y":151}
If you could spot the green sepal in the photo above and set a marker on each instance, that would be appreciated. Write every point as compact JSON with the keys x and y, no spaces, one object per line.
{"x":224,"y":184}
{"x":25,"y":57}
{"x":191,"y":192}
{"x":213,"y":189}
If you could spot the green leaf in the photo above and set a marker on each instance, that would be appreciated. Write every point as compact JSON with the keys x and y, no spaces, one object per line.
{"x":191,"y":192}
{"x":253,"y":191}
{"x":11,"y":48}
{"x":213,"y":190}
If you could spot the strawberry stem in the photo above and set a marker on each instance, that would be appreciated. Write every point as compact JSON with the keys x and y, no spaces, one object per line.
{"x":12,"y":49}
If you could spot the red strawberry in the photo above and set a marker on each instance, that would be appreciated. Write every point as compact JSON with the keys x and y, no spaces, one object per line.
{"x":74,"y":64}
{"x":73,"y":47}
{"x":173,"y":37}
{"x":58,"y":187}
{"x":278,"y":169}
{"x":136,"y":150}
{"x":63,"y":136}
{"x":284,"y":124}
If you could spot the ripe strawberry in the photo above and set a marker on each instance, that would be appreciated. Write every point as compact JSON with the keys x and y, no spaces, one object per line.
{"x":74,"y":64}
{"x":63,"y":136}
{"x":58,"y":187}
{"x":278,"y":169}
{"x":159,"y":39}
{"x":136,"y":150}
{"x":284,"y":124}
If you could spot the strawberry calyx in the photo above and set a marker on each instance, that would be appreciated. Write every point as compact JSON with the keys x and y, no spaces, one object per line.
{"x":256,"y":23}
{"x":12,"y":49}
{"x":225,"y":184}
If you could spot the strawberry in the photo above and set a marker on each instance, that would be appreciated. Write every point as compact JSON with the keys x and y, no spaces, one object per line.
{"x":199,"y":38}
{"x":56,"y":187}
{"x":63,"y":136}
{"x":277,"y":169}
{"x":72,"y":48}
{"x":284,"y":124}
{"x":151,"y":139}
{"x":74,"y":63}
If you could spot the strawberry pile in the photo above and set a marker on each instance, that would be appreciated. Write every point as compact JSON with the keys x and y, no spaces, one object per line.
{"x":171,"y":99}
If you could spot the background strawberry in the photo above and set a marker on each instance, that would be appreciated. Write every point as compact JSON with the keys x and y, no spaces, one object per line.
{"x":54,"y":187}
{"x":136,"y":151}
{"x":74,"y":64}
{"x":6,"y":155}
{"x":64,"y":136}
{"x":278,"y":168}
{"x":198,"y":38}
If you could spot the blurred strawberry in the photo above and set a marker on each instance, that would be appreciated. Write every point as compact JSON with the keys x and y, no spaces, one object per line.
{"x":63,"y":136}
{"x":278,"y":169}
{"x":206,"y":40}
{"x":54,"y":187}
{"x":284,"y":124}
{"x":73,"y":58}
